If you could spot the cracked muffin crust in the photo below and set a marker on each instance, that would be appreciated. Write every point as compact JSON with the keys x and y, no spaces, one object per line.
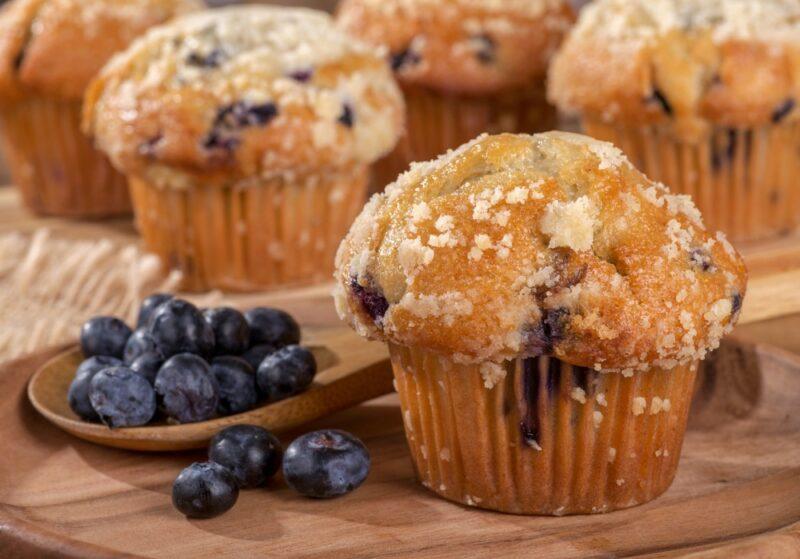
{"x":244,"y":94}
{"x":691,"y":62}
{"x":466,"y":46}
{"x":55,"y":47}
{"x":517,"y":246}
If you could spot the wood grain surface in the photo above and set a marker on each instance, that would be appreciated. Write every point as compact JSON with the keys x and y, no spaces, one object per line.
{"x":737,"y":492}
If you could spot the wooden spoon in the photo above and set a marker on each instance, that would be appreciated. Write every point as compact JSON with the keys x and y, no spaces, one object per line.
{"x":351,"y":371}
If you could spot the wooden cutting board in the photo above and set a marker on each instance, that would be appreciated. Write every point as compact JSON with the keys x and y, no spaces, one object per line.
{"x":737,"y":493}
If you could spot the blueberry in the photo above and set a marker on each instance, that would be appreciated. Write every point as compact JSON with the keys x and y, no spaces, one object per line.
{"x":231,"y":332}
{"x":372,"y":300}
{"x":348,"y":116}
{"x":104,"y":335}
{"x":149,"y":306}
{"x":140,"y":342}
{"x":204,"y":490}
{"x":78,"y":394}
{"x":211,"y":59}
{"x":252,"y":453}
{"x":256,"y":354}
{"x":302,"y":75}
{"x":485,"y":48}
{"x":122,"y":398}
{"x":325,"y":464}
{"x":148,"y":365}
{"x":237,"y":385}
{"x":178,"y":327}
{"x":404,"y":58}
{"x":187,"y":391}
{"x":286,"y":372}
{"x":272,"y":326}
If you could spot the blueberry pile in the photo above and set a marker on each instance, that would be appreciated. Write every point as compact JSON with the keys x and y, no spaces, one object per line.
{"x":321,"y":464}
{"x":183,"y":364}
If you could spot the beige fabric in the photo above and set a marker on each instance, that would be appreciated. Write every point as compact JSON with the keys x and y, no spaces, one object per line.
{"x":50,"y":286}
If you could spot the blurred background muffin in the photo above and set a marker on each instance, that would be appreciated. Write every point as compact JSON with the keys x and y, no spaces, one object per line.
{"x":465,"y":66}
{"x":49,"y":51}
{"x":543,"y":292}
{"x":247,"y":135}
{"x":701,"y":94}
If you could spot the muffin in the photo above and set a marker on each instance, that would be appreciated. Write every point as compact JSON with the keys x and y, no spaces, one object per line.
{"x":701,"y":95}
{"x":247,"y":135}
{"x":545,"y":307}
{"x":49,"y":51}
{"x":465,"y":67}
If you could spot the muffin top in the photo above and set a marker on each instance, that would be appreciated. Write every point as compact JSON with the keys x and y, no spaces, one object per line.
{"x":463,"y":46}
{"x":694,"y":62}
{"x":243,"y":94}
{"x":519,"y":246}
{"x":55,"y":47}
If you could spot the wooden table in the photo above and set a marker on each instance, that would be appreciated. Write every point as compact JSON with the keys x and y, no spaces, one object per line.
{"x":107,"y":503}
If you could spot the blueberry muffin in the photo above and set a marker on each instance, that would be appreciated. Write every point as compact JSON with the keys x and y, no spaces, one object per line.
{"x":465,"y":66}
{"x":701,"y":94}
{"x":247,"y":135}
{"x":49,"y":51}
{"x":545,"y":293}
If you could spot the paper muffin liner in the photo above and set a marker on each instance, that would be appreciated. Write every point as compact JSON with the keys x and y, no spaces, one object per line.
{"x":548,"y":438}
{"x":55,"y":166}
{"x":743,"y":180}
{"x":272,"y":234}
{"x":438,"y":121}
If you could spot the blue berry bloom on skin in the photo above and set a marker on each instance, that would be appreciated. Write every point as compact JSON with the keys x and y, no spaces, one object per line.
{"x":140,"y":342}
{"x":256,"y":354}
{"x":252,"y":453}
{"x":231,"y":332}
{"x":287,"y":372}
{"x":78,"y":394}
{"x":325,"y":464}
{"x":204,"y":490}
{"x":272,"y":326}
{"x":187,"y":390}
{"x":104,"y":335}
{"x":237,"y":385}
{"x":177,"y":326}
{"x":149,"y":306}
{"x":122,"y":398}
{"x":148,"y":365}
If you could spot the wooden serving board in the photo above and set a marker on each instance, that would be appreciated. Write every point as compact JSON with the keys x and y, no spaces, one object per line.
{"x":737,"y":492}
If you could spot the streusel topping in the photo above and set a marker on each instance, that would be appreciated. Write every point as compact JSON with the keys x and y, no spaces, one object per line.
{"x":260,"y":90}
{"x":553,"y":244}
{"x":465,"y":46}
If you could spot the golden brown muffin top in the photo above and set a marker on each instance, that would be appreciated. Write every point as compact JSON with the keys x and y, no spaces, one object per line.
{"x":242,"y":94}
{"x":463,"y":46}
{"x":55,"y":47}
{"x":518,"y":246}
{"x":690,"y":62}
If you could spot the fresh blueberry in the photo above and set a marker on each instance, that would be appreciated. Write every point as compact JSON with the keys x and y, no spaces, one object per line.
{"x":104,"y":335}
{"x":122,"y":398}
{"x":272,"y":326}
{"x":325,"y":464}
{"x":286,"y":372}
{"x":237,"y":385}
{"x":187,"y":391}
{"x":78,"y":394}
{"x":149,"y":306}
{"x":256,"y":354}
{"x":140,"y":342}
{"x":148,"y":365}
{"x":177,"y":326}
{"x":204,"y":490}
{"x":231,"y":332}
{"x":252,"y":453}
